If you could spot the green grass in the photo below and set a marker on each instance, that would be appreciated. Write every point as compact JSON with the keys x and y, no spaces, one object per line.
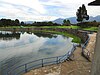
{"x":91,"y":28}
{"x":76,"y":39}
{"x":72,"y":27}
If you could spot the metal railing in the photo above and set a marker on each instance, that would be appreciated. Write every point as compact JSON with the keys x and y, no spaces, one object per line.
{"x":85,"y":44}
{"x":85,"y":52}
{"x":37,"y":63}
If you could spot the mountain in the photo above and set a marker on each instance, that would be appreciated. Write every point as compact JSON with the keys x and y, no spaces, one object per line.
{"x":74,"y":21}
{"x":29,"y":22}
{"x":97,"y":18}
{"x":58,"y":21}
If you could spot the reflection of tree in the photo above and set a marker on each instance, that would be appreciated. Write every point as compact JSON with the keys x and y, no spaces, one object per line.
{"x":29,"y":32}
{"x":45,"y":35}
{"x":9,"y":36}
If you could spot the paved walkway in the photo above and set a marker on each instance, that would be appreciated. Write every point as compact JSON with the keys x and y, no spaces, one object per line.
{"x":79,"y":66}
{"x":95,"y":70}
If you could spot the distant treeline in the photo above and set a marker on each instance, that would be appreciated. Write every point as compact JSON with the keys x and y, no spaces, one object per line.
{"x":16,"y":22}
{"x":9,"y":22}
{"x":50,"y":23}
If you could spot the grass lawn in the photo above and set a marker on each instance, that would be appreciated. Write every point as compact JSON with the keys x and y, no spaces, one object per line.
{"x":91,"y":28}
{"x":73,"y":27}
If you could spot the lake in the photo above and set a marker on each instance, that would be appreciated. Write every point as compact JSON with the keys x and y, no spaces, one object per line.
{"x":18,"y":48}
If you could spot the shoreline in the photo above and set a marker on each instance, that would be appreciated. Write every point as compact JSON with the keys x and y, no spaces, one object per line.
{"x":74,"y":33}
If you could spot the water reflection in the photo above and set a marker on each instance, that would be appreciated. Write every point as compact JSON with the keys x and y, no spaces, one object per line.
{"x":9,"y":35}
{"x":32,"y":46}
{"x":45,"y":35}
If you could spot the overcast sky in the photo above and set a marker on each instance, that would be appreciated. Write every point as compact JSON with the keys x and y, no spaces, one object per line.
{"x":41,"y":10}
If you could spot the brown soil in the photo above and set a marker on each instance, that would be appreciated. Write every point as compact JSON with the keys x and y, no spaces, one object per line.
{"x":79,"y":65}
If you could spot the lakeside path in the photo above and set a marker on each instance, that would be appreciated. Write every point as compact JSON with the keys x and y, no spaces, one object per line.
{"x":79,"y":65}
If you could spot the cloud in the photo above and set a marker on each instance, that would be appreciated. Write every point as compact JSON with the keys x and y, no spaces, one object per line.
{"x":68,"y":8}
{"x":30,"y":11}
{"x":34,"y":4}
{"x":42,"y":10}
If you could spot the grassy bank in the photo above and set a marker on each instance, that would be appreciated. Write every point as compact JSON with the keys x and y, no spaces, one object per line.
{"x":75,"y":38}
{"x":73,"y":27}
{"x":91,"y":28}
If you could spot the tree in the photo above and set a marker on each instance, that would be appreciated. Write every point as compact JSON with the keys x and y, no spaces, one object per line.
{"x":82,"y":14}
{"x":50,"y":23}
{"x":22,"y":23}
{"x":66,"y":22}
{"x":16,"y":22}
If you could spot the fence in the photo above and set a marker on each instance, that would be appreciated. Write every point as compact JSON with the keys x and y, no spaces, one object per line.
{"x":85,"y":44}
{"x":12,"y":70}
{"x":85,"y":52}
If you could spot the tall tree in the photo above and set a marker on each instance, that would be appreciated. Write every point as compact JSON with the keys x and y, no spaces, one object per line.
{"x":82,"y":14}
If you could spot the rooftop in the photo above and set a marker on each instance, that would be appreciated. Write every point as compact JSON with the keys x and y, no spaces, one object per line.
{"x":95,"y":3}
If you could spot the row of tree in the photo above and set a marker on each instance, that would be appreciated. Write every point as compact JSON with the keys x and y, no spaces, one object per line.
{"x":9,"y":22}
{"x":50,"y":23}
{"x":16,"y":22}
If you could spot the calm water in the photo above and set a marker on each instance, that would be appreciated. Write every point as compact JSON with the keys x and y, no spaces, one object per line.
{"x":23,"y":47}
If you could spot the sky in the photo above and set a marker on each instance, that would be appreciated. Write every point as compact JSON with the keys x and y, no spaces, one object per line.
{"x":43,"y":10}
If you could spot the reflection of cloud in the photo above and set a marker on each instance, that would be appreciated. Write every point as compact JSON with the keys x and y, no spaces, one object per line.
{"x":32,"y":46}
{"x":56,"y":46}
{"x":22,"y":49}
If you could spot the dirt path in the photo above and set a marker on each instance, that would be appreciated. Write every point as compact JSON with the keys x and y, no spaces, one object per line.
{"x":80,"y":65}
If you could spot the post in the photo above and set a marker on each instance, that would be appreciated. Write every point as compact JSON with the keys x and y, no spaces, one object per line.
{"x":42,"y":62}
{"x":25,"y":67}
{"x":57,"y":60}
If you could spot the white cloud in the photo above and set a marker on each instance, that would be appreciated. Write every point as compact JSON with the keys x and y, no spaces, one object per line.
{"x":69,"y":7}
{"x":35,"y":4}
{"x":93,"y":10}
{"x":38,"y":9}
{"x":65,"y":2}
{"x":14,"y":9}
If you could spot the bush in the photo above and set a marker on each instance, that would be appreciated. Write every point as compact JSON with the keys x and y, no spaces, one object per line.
{"x":89,"y":24}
